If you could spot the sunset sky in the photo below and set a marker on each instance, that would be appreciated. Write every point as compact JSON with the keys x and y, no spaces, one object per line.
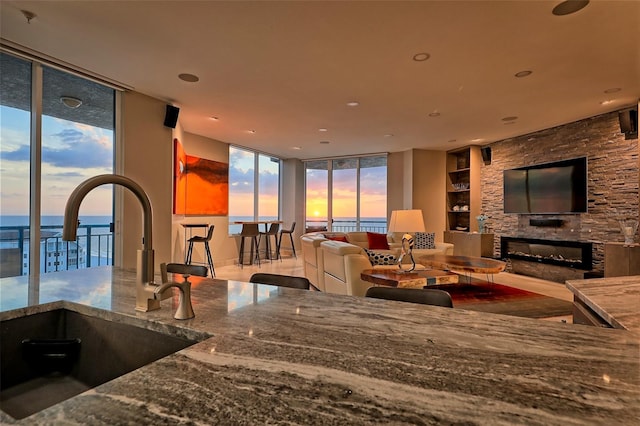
{"x":73,"y":152}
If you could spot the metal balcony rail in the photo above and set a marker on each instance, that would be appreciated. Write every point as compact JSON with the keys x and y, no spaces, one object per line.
{"x":93,"y":247}
{"x":338,"y":225}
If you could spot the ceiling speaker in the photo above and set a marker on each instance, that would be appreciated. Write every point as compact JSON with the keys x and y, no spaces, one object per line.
{"x":171,"y":116}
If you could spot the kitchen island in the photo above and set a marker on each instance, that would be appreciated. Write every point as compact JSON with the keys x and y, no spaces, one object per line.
{"x":287,"y":356}
{"x":610,"y":302}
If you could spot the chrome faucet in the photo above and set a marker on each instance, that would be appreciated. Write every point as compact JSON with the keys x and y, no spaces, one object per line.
{"x":185,"y":309}
{"x":145,"y":287}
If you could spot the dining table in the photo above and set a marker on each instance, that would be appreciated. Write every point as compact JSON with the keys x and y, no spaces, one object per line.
{"x":266,"y":224}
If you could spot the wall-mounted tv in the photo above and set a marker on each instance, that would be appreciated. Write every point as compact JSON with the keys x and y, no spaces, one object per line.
{"x":550,"y":188}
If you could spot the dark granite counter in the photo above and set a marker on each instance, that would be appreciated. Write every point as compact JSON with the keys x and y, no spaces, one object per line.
{"x":615,"y":299}
{"x":286,"y":356}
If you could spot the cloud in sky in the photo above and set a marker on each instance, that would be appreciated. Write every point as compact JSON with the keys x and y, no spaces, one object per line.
{"x":73,"y":149}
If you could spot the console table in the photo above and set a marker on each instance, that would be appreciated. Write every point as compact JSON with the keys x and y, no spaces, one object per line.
{"x":470,"y":244}
{"x":621,"y":259}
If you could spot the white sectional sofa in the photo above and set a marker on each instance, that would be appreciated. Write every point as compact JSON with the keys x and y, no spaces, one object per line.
{"x":335,"y":266}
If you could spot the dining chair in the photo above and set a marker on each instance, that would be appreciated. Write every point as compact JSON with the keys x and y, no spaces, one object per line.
{"x":201,"y":239}
{"x":290,"y":233}
{"x":280,"y":280}
{"x":412,"y":295}
{"x":252,"y":232}
{"x":271,"y":232}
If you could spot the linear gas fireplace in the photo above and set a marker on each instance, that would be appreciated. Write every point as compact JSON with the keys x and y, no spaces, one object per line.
{"x":570,"y":254}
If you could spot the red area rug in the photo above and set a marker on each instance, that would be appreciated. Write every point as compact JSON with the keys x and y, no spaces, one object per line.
{"x":502,"y":299}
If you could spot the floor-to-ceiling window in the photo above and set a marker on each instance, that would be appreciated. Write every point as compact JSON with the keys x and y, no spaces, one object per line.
{"x":346,"y":194}
{"x":254,"y":187}
{"x":57,"y":130}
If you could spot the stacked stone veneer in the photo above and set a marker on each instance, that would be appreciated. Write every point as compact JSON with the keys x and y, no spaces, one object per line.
{"x":613,"y":180}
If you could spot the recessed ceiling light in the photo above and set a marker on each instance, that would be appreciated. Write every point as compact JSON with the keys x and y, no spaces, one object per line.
{"x":213,"y":118}
{"x":607,"y":102}
{"x":613,"y":90}
{"x":70,"y":101}
{"x":189,"y":78}
{"x":324,"y":142}
{"x":251,"y":131}
{"x":353,"y":103}
{"x":389,"y":135}
{"x":524,"y":73}
{"x":569,"y":6}
{"x":322,"y":129}
{"x":434,"y":114}
{"x":419,"y":57}
{"x":297,"y":148}
{"x":476,"y":140}
{"x":510,"y":118}
{"x":452,"y":140}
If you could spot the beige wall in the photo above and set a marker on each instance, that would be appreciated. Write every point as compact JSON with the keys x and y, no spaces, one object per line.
{"x":292,"y":194}
{"x":223,"y":247}
{"x":416,"y":179}
{"x":145,"y":157}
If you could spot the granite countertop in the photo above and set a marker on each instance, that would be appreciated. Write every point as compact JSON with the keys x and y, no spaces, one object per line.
{"x":287,"y":356}
{"x":615,"y":299}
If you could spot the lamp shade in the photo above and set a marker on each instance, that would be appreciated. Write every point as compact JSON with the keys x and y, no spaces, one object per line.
{"x":406,"y":221}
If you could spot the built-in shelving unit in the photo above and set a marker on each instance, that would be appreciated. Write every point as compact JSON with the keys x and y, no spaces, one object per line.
{"x":463,"y":188}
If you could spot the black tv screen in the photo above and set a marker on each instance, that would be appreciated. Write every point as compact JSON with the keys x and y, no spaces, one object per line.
{"x":558,"y":187}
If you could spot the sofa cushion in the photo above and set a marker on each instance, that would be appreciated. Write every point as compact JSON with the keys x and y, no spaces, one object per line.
{"x":377,"y":241}
{"x":337,"y":238}
{"x":378,"y":258}
{"x":424,"y":240}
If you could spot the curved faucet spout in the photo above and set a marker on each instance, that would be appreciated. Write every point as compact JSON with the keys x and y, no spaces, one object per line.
{"x":72,"y":208}
{"x":145,"y":299}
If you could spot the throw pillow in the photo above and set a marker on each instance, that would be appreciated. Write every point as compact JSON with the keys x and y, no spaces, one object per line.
{"x":377,"y":241}
{"x":424,"y":240}
{"x":380,"y":258}
{"x":337,"y":238}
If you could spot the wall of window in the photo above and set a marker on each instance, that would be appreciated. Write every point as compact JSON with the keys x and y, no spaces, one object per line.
{"x":57,"y":129}
{"x":254,"y":187}
{"x":346,"y":194}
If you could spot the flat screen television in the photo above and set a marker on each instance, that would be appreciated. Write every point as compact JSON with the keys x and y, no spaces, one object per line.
{"x":550,"y":188}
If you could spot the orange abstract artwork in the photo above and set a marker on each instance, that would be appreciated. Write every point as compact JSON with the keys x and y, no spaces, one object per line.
{"x":200,"y":186}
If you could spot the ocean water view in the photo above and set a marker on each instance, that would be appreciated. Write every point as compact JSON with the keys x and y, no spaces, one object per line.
{"x":15,"y":220}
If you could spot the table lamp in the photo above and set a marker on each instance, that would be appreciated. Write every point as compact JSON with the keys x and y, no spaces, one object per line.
{"x":409,"y":222}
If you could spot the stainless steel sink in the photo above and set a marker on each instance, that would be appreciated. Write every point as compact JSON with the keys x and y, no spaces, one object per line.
{"x":51,"y":356}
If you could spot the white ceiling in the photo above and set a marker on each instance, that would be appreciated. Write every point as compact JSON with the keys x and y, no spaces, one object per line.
{"x":286,"y":69}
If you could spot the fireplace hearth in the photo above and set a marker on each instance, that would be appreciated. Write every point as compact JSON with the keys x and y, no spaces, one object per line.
{"x":570,"y":254}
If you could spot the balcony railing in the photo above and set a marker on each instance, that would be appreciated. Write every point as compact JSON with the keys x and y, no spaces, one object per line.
{"x":338,"y":225}
{"x":93,"y":247}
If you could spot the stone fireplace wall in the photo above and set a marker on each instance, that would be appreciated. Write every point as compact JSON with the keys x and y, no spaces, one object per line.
{"x":613,"y":179}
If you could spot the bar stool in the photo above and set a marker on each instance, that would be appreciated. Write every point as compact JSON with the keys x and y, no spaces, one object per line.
{"x":271,"y":232}
{"x":251,"y":231}
{"x":205,"y":240}
{"x":290,"y":232}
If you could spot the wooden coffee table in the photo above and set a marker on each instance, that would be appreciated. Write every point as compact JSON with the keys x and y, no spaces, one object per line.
{"x":466,"y":264}
{"x":415,"y":279}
